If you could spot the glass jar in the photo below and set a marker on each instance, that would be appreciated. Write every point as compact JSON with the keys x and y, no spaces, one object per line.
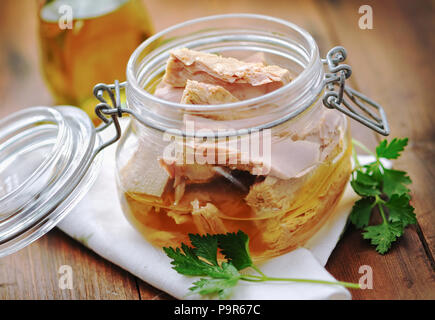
{"x":310,"y":150}
{"x":76,"y":56}
{"x":278,"y":163}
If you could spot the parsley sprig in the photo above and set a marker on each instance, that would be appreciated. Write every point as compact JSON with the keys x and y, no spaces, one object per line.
{"x":385,"y":190}
{"x":220,"y":278}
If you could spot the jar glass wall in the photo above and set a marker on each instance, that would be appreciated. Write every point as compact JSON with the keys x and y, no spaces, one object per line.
{"x":281,"y":205}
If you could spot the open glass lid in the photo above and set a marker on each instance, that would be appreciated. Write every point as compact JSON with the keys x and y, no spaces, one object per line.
{"x":47,"y":164}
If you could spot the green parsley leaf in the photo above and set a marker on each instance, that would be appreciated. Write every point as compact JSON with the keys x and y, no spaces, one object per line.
{"x":383,"y":235}
{"x":400,"y":210}
{"x":223,"y":287}
{"x":185,"y":261}
{"x":235,"y":247}
{"x":391,"y":150}
{"x":395,"y":182}
{"x":385,"y":189}
{"x":374,"y":169}
{"x":205,"y":246}
{"x":361,"y":212}
{"x":365,"y":184}
{"x":366,"y":179}
{"x":364,"y":190}
{"x":201,"y":260}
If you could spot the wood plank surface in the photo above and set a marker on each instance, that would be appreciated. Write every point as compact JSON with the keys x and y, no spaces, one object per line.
{"x":399,"y":56}
{"x":392,"y":64}
{"x":35,"y":272}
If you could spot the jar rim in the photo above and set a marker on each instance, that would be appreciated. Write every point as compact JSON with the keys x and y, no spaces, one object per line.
{"x":314,"y":56}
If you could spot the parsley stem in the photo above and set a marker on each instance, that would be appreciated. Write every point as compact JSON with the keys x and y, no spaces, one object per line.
{"x":355,"y":159}
{"x":362,"y":146}
{"x":258,"y":270}
{"x":253,"y":278}
{"x":379,"y":202}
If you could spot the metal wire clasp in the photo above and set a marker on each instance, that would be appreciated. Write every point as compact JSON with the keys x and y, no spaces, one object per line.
{"x":109,"y":113}
{"x":338,"y":73}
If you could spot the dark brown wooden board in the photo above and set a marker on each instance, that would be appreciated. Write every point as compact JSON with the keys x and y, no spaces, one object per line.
{"x":392,"y":64}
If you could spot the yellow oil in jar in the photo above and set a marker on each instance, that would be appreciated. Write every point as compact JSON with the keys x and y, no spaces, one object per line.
{"x":164,"y":223}
{"x":96,"y":48}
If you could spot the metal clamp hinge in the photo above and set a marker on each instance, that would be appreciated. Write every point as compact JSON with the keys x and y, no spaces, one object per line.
{"x":376,"y":121}
{"x":109,"y":113}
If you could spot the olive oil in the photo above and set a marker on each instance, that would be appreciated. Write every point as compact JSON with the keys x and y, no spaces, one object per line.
{"x":96,"y":49}
{"x":164,"y":223}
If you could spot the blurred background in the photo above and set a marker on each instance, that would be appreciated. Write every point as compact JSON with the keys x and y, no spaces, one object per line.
{"x":34,"y":49}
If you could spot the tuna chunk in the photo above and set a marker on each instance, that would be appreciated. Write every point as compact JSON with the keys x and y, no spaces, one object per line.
{"x":203,"y":93}
{"x":194,"y":173}
{"x":179,"y":217}
{"x":288,"y":159}
{"x":243,"y":79}
{"x":246,"y":56}
{"x":143,"y":174}
{"x":207,"y":218}
{"x":272,"y":194}
{"x":167,"y":92}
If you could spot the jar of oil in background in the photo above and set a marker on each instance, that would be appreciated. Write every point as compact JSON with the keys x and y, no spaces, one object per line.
{"x":93,"y":48}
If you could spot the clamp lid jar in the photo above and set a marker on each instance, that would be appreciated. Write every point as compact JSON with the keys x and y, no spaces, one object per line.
{"x":49,"y":157}
{"x":310,"y":149}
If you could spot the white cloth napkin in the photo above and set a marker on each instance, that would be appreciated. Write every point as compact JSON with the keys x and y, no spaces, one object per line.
{"x":98,"y":222}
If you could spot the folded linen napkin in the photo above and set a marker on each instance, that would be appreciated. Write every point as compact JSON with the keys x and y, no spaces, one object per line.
{"x":98,"y":222}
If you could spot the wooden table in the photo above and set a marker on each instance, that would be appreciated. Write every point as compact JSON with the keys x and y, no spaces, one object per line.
{"x":392,"y":63}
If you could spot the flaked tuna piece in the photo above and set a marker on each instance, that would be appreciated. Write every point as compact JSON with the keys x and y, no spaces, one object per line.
{"x":246,"y":56}
{"x":207,"y":218}
{"x":226,"y":69}
{"x":184,"y":174}
{"x":194,"y":173}
{"x":291,"y":159}
{"x":243,"y":79}
{"x":167,"y":92}
{"x":203,"y":93}
{"x":143,"y":174}
{"x":283,"y":194}
{"x":288,"y":159}
{"x":179,"y":217}
{"x":272,"y":194}
{"x":200,"y":93}
{"x":179,"y":188}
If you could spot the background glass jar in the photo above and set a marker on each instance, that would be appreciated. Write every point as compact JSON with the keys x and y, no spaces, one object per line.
{"x":93,"y":48}
{"x":279,"y":211}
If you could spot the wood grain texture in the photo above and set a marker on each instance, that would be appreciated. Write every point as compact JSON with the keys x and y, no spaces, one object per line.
{"x":399,"y":53}
{"x":33,"y":273}
{"x":392,"y":63}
